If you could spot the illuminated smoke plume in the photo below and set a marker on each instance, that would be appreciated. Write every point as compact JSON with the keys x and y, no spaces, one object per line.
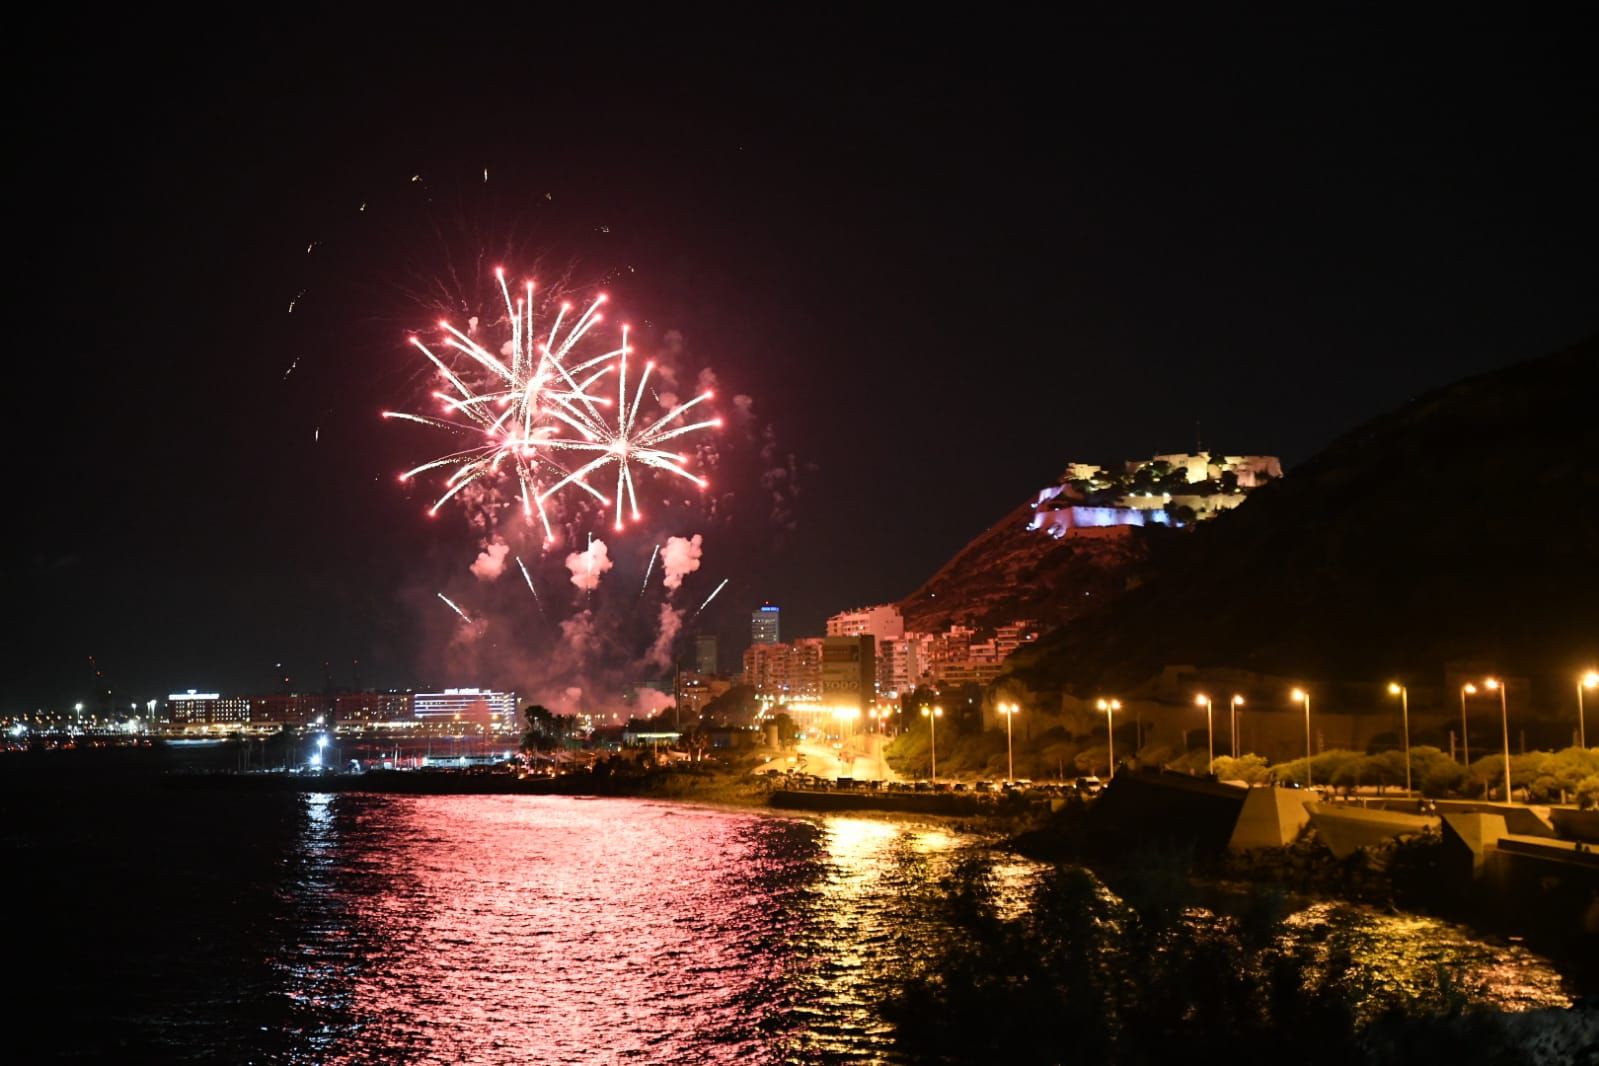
{"x":649,"y":703}
{"x":744,"y":410}
{"x":490,"y":563}
{"x":680,"y":558}
{"x":660,"y":653}
{"x":577,"y":633}
{"x":587,"y":566}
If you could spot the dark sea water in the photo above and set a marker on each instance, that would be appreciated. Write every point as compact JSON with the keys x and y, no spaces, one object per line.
{"x":244,"y":927}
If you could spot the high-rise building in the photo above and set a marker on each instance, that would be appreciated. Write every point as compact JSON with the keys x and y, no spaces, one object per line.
{"x":705,"y":654}
{"x":805,"y":669}
{"x":766,"y":669}
{"x":764,"y":625}
{"x":849,"y":672}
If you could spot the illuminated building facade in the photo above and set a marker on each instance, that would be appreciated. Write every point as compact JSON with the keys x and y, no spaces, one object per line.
{"x":765,"y":625}
{"x":206,"y":708}
{"x":783,"y":673}
{"x":1162,"y":490}
{"x":476,"y":705}
{"x":849,"y":673}
{"x":882,"y":622}
{"x":694,"y":690}
{"x":293,"y":709}
{"x":364,"y":707}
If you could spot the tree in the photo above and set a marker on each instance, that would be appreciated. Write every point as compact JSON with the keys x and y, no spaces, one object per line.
{"x":1250,"y":769}
{"x":540,"y":734}
{"x":786,"y":729}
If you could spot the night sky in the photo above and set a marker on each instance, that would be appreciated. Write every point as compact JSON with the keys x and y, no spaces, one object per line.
{"x":943,"y":261}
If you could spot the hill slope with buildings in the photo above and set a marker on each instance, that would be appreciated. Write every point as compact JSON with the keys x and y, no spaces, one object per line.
{"x":1463,"y":526}
{"x":1012,"y":571}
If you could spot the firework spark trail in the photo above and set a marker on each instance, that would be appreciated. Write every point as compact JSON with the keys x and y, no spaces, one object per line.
{"x":708,"y":600}
{"x":451,"y":605}
{"x":535,"y":405}
{"x":529,"y":579}
{"x":648,"y":570}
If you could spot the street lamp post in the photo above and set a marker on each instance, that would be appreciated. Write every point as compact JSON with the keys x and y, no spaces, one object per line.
{"x":1494,"y":684}
{"x":1232,"y":723}
{"x":1588,"y":680}
{"x":1110,"y":732}
{"x":1009,"y":711}
{"x":933,"y":714}
{"x":1301,"y":696}
{"x":1468,"y":689}
{"x":1203,"y":700}
{"x":1396,"y":689}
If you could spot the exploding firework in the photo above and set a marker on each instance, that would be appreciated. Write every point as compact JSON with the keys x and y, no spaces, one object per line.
{"x":516,"y":414}
{"x":626,"y":441}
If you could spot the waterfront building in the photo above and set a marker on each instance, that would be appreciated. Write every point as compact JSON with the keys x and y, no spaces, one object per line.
{"x":193,"y":708}
{"x":476,"y":705}
{"x":849,"y":673}
{"x":293,"y":709}
{"x":365,"y":708}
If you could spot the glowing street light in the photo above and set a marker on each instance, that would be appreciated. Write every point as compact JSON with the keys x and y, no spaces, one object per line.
{"x":1493,"y":684}
{"x":1299,"y":695}
{"x":1232,"y":722}
{"x":1009,"y":711}
{"x":1588,"y":680}
{"x":1396,"y":689}
{"x":933,"y":714}
{"x":1468,"y":689}
{"x":1202,"y":700}
{"x":1110,"y":732}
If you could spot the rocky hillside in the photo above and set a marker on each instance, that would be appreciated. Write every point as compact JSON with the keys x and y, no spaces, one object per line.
{"x":1464,"y":525}
{"x":1010,"y":573}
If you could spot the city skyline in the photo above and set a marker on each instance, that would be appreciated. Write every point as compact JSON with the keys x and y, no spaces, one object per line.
{"x":1096,"y":220}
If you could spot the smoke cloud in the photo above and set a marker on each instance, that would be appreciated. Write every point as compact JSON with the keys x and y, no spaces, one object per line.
{"x":680,"y":558}
{"x":490,"y":562}
{"x":587,"y":566}
{"x":660,"y":653}
{"x":649,"y":702}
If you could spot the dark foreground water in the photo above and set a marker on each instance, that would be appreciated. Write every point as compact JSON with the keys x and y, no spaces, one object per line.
{"x":266,"y":927}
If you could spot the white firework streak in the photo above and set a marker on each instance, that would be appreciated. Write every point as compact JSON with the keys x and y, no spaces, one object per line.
{"x":506,"y":422}
{"x":648,"y":570}
{"x":451,"y":604}
{"x":529,"y":579}
{"x":626,"y":441}
{"x":708,"y":599}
